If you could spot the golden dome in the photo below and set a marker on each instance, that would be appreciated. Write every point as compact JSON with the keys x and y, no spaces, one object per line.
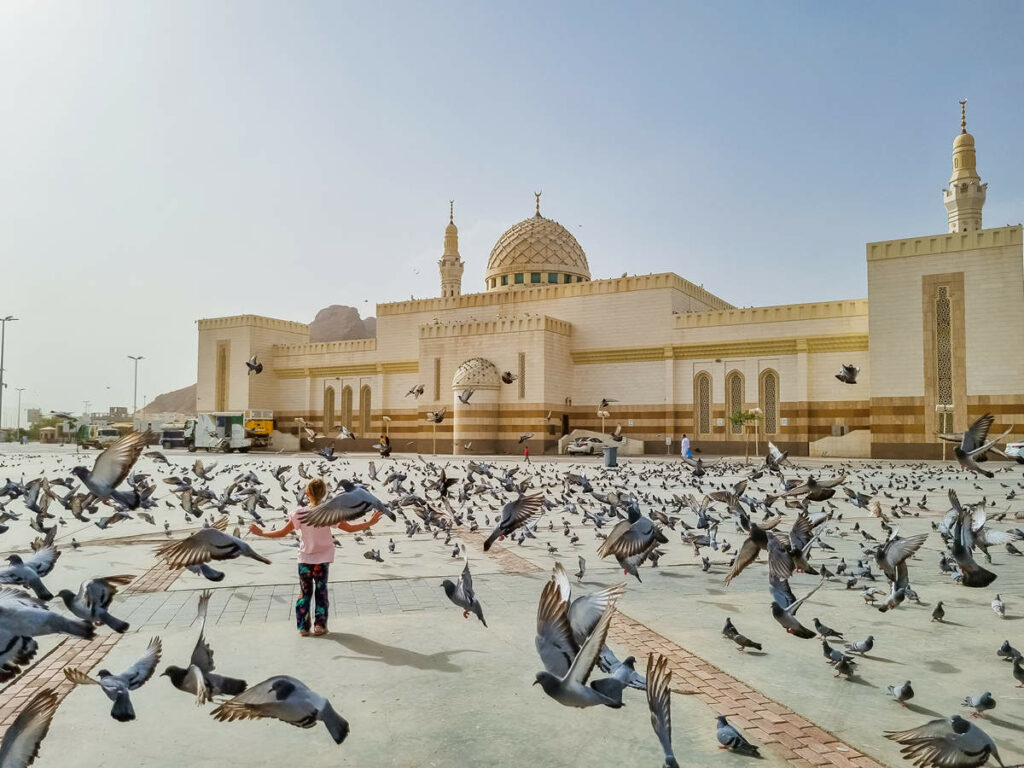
{"x":963,"y":140}
{"x":536,"y":246}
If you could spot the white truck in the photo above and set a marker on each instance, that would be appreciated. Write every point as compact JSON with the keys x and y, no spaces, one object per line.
{"x":229,"y":431}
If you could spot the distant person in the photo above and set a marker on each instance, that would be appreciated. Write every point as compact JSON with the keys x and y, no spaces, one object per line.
{"x":685,"y":448}
{"x":316,"y":553}
{"x":385,"y":446}
{"x":526,"y":455}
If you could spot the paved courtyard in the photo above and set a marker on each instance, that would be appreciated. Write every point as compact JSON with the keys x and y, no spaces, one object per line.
{"x":421,"y":686}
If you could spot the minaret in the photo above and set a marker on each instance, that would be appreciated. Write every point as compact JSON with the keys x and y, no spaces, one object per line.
{"x":966,"y":194}
{"x":451,"y":265}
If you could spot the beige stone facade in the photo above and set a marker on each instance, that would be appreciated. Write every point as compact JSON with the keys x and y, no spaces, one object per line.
{"x":939,"y":338}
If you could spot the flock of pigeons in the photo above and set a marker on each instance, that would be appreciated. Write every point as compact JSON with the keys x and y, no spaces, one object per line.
{"x":787,"y":518}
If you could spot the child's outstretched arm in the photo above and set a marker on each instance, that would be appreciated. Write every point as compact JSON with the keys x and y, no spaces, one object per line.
{"x":355,"y":527}
{"x":278,"y":534}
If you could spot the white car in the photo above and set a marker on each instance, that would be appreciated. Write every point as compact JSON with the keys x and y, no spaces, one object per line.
{"x":585,"y":446}
{"x":1015,"y":451}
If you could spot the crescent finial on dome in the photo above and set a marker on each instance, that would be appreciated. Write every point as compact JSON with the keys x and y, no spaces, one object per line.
{"x":537,"y":195}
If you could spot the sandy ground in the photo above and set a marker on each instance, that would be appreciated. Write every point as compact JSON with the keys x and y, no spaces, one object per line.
{"x":423,"y":687}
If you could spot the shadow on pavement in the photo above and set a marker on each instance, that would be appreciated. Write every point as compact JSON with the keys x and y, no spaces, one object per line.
{"x":397,"y":657}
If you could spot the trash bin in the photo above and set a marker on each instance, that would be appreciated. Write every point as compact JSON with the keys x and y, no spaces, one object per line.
{"x":611,"y":453}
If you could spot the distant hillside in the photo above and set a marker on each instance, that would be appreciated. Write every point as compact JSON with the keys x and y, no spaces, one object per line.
{"x":179,"y":401}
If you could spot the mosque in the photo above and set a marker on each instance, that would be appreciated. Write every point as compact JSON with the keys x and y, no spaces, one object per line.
{"x":937,"y":342}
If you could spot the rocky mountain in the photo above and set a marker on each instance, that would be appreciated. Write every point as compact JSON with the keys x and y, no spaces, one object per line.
{"x":179,"y":401}
{"x":339,"y":323}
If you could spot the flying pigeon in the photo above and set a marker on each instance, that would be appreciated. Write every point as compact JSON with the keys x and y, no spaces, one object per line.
{"x":117,"y":687}
{"x":286,"y":699}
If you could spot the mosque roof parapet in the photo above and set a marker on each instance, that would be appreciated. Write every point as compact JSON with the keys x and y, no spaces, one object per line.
{"x":774,"y":314}
{"x":325,"y":347}
{"x":951,"y":242}
{"x":519,"y":294}
{"x":512,"y":324}
{"x":246,"y":321}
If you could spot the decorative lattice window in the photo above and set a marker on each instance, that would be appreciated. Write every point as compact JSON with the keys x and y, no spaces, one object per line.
{"x":522,"y":375}
{"x":703,"y":404}
{"x":437,"y":379}
{"x":735,"y":389}
{"x":346,"y":406}
{"x":770,"y":401}
{"x":943,"y":348}
{"x":220,"y":400}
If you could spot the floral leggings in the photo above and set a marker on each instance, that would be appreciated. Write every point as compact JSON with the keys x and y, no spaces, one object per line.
{"x":312,"y":584}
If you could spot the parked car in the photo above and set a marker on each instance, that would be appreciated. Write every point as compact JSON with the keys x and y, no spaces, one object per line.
{"x":1015,"y":451}
{"x":586,"y":446}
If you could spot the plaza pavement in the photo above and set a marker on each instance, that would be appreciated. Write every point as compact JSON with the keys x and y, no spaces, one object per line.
{"x":421,"y":686}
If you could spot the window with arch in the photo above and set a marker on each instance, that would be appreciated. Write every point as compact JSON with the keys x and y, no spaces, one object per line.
{"x":734,"y":395}
{"x":346,"y":406}
{"x":328,"y":409}
{"x":702,"y":402}
{"x":770,"y":401}
{"x":364,"y":410}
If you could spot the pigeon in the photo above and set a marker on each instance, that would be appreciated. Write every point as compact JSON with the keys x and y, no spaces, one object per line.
{"x":524,"y":437}
{"x":971,"y":574}
{"x":211,"y":543}
{"x":463,"y":596}
{"x":998,"y":607}
{"x":253,"y":366}
{"x":582,"y":570}
{"x":94,"y":598}
{"x":508,"y":377}
{"x":199,"y":678}
{"x":862,"y":646}
{"x":436,"y":417}
{"x":354,"y":502}
{"x":211,"y":574}
{"x":1007,"y":652}
{"x":980,"y":703}
{"x":825,"y":631}
{"x":1018,"y":672}
{"x":112,"y":467}
{"x":286,"y":699}
{"x":21,"y":741}
{"x":464,"y":396}
{"x":416,"y":391}
{"x":514,"y":515}
{"x":848,"y":374}
{"x":117,"y":687}
{"x":786,"y":616}
{"x":972,"y":445}
{"x":733,"y":740}
{"x":29,"y":573}
{"x":659,"y":701}
{"x":902,"y":693}
{"x":946,"y":743}
{"x":939,"y":613}
{"x":566,"y":670}
{"x":24,"y":616}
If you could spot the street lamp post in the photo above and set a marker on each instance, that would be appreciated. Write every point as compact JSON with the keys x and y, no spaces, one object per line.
{"x":135,"y":388}
{"x":20,"y":390}
{"x":3,"y":340}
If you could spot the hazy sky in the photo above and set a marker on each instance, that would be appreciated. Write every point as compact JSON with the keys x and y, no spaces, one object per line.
{"x":165,"y":161}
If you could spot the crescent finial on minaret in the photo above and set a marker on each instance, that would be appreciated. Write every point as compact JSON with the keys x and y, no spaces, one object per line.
{"x":963,"y":115}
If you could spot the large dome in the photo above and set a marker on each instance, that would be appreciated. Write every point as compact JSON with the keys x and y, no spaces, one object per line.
{"x":476,"y":372}
{"x":536,"y":250}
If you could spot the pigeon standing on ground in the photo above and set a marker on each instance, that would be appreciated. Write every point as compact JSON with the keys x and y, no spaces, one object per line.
{"x":862,"y":646}
{"x":939,"y":613}
{"x":118,"y":687}
{"x":733,"y":740}
{"x":288,"y":700}
{"x":981,"y":703}
{"x":902,"y":693}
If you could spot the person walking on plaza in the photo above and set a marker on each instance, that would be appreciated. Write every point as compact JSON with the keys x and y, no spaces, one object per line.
{"x":685,"y":447}
{"x":526,"y":454}
{"x":316,"y":553}
{"x":385,"y":446}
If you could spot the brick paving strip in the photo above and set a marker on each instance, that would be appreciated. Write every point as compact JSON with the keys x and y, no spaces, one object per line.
{"x":48,"y":672}
{"x":765,"y":721}
{"x":157,"y":579}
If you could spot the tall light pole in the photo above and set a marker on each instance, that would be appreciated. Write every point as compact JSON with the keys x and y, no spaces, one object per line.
{"x":3,"y":339}
{"x":135,"y":396}
{"x":20,"y":390}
